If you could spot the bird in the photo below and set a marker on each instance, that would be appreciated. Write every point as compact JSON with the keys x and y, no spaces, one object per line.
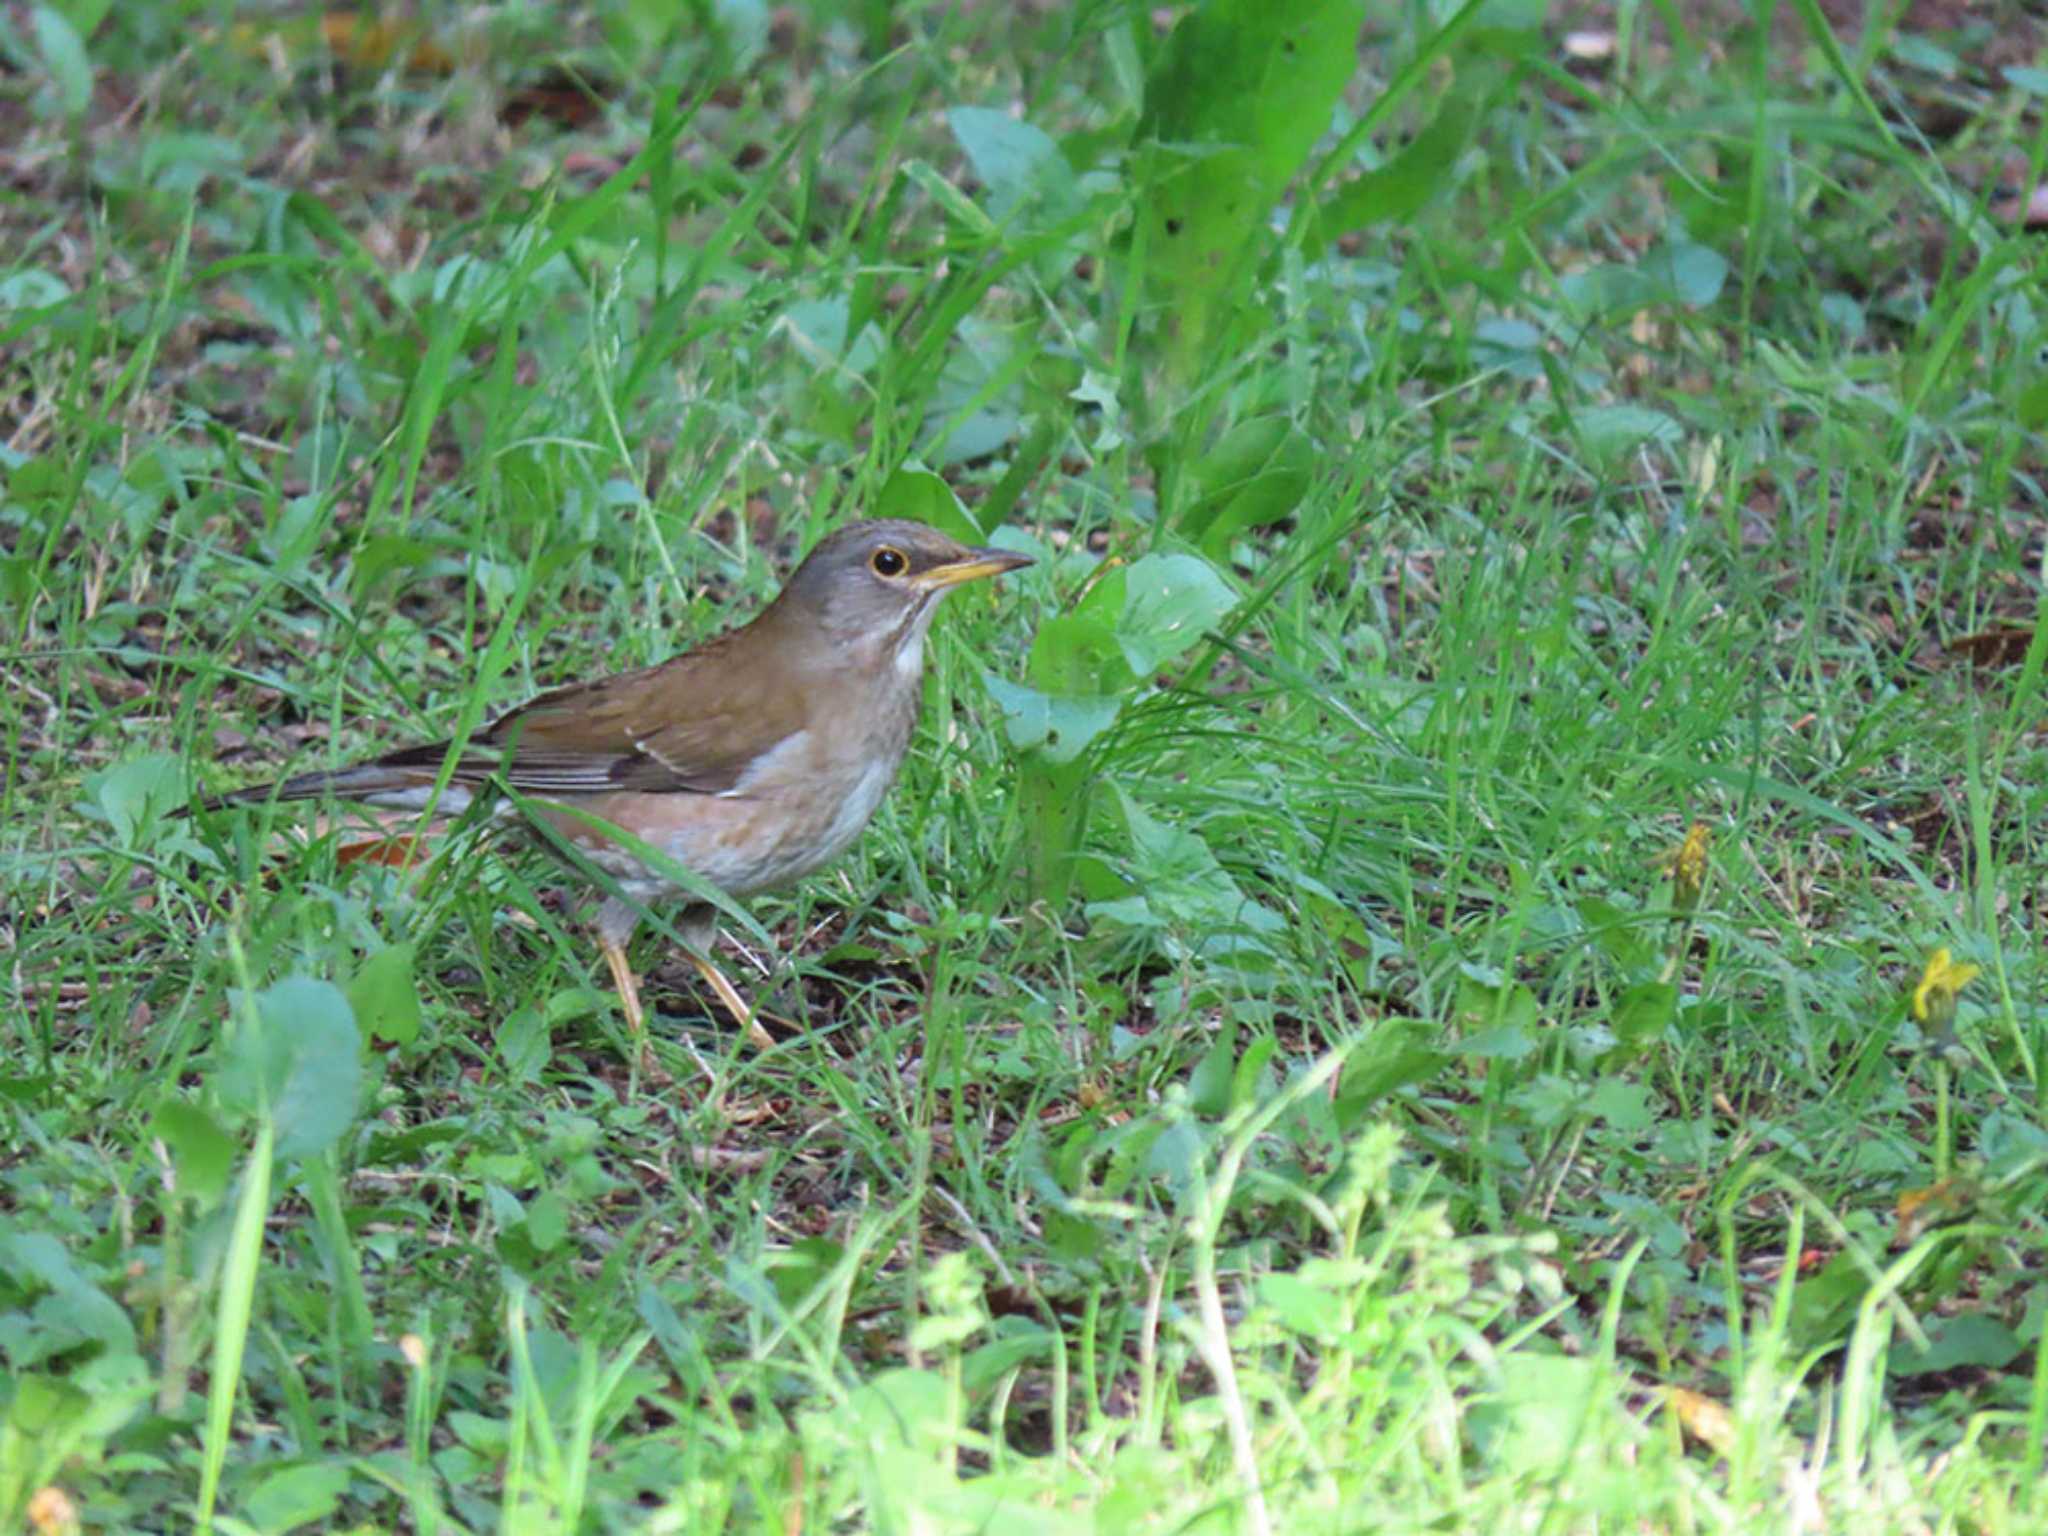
{"x":751,"y":760}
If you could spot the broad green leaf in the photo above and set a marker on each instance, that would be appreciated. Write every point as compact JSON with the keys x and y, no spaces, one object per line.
{"x":1018,"y":1342}
{"x":1179,"y":883}
{"x":1077,"y":1240}
{"x":42,"y":482}
{"x":1016,"y":162}
{"x":32,"y":288}
{"x":1234,"y":103}
{"x":1078,"y":680}
{"x":1615,"y":932}
{"x":1532,"y":1420}
{"x":1178,"y":1153}
{"x":85,"y":16}
{"x":524,"y":1044}
{"x":1060,"y":726}
{"x":202,"y":1154}
{"x":299,"y":1063}
{"x":180,"y":162}
{"x":796,"y":1271}
{"x":1677,"y":274}
{"x":1924,"y":53}
{"x":1132,"y":912}
{"x":491,"y":1437}
{"x":1508,"y":1042}
{"x":1514,"y":346}
{"x":1824,"y":1306}
{"x":288,"y":1497}
{"x":896,"y":1407}
{"x":1257,"y":473}
{"x":1260,"y":77}
{"x":1611,"y":432}
{"x":1401,"y":1051}
{"x":1692,"y":274}
{"x":1298,"y":1306}
{"x":1250,"y":1081}
{"x":2030,"y":405}
{"x":977,"y":406}
{"x":317,"y":1102}
{"x":547,"y":1221}
{"x":64,"y":56}
{"x":743,"y":27}
{"x":1548,"y":1099}
{"x":78,"y":1311}
{"x":1209,"y":1082}
{"x":1078,"y":652}
{"x":115,"y":1384}
{"x":1170,"y":601}
{"x":385,"y":997}
{"x":132,"y":793}
{"x":817,"y":328}
{"x":917,"y":495}
{"x":1606,"y":288}
{"x":380,"y":556}
{"x":1486,"y":998}
{"x":51,"y":1425}
{"x":1644,"y":1012}
{"x":1623,"y":1104}
{"x":1421,"y":170}
{"x":1967,"y":1339}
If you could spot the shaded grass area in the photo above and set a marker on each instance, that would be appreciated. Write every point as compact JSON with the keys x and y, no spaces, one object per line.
{"x":1326,"y":1097}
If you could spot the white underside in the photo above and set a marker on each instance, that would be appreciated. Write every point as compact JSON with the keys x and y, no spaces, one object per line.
{"x":453,"y":800}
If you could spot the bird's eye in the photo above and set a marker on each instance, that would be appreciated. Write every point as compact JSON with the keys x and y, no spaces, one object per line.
{"x":888,"y":562}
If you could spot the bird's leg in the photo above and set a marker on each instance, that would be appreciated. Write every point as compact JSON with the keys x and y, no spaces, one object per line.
{"x":616,"y":921}
{"x":627,"y":984}
{"x":735,"y":1005}
{"x":697,"y":927}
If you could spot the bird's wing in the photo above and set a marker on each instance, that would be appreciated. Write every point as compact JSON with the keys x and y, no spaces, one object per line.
{"x":690,"y":724}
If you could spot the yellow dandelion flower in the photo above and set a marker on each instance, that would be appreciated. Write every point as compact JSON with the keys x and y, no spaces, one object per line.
{"x":1934,"y":1000}
{"x":51,"y":1513}
{"x":1687,"y":866}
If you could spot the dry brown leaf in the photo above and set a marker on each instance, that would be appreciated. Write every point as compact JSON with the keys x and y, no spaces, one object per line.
{"x":350,"y":38}
{"x":1916,"y":1210}
{"x":392,"y":852}
{"x":373,"y":42}
{"x":2005,"y":646}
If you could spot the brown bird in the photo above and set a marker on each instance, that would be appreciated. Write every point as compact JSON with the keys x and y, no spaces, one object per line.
{"x":750,"y":761}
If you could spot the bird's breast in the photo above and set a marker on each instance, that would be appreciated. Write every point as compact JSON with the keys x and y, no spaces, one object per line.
{"x":827,"y":780}
{"x":799,"y":805}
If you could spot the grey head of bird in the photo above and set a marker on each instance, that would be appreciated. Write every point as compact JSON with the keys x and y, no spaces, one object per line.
{"x":870,"y":589}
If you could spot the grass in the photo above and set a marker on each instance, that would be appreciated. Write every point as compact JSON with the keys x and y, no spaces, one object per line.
{"x":1321,"y":1100}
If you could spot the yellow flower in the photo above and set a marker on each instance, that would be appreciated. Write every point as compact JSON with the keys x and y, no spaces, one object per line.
{"x":1687,"y":866}
{"x":51,"y":1513}
{"x":1934,"y":1000}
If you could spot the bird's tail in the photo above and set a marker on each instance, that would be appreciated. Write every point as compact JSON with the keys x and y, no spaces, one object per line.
{"x":397,"y":786}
